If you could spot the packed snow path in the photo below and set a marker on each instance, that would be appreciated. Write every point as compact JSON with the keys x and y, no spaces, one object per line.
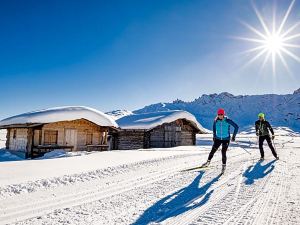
{"x":154,"y":190}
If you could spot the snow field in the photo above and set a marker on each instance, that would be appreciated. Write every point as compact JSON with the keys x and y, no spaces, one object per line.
{"x":154,"y":190}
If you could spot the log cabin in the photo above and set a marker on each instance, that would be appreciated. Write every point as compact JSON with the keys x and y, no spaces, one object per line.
{"x":157,"y":130}
{"x":74,"y":128}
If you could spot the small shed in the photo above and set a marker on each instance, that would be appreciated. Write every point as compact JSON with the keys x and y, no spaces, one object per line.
{"x":157,"y":130}
{"x":73,"y":128}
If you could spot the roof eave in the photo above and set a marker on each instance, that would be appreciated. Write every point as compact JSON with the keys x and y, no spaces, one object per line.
{"x":21,"y":125}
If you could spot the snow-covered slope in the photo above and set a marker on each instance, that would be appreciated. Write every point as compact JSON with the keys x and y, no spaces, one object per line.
{"x":117,"y":114}
{"x":280,"y":110}
{"x":61,"y":114}
{"x":150,"y":120}
{"x":152,"y":187}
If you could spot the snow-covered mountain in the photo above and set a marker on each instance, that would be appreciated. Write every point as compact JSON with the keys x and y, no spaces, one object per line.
{"x":117,"y":114}
{"x":280,"y":110}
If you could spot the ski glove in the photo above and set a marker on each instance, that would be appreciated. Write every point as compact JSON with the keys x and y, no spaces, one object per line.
{"x":257,"y":134}
{"x":273,"y":137}
{"x":233,"y":139}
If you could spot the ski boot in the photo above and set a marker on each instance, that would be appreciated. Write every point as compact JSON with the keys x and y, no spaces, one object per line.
{"x":223,"y":169}
{"x":206,"y":164}
{"x":277,"y":158}
{"x":261,"y":159}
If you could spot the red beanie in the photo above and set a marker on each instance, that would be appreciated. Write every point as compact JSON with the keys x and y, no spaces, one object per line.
{"x":221,"y":111}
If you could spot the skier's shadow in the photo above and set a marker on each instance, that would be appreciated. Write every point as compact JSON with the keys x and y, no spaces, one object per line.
{"x":258,"y":171}
{"x":178,"y":202}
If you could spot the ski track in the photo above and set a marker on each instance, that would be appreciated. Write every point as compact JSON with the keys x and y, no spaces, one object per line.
{"x":143,"y":183}
{"x":259,"y":206}
{"x":40,"y":207}
{"x":228,"y":200}
{"x":26,"y":211}
{"x":16,"y":189}
{"x":217,"y":195}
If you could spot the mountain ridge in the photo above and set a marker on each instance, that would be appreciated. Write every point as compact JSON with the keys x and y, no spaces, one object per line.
{"x":280,"y":110}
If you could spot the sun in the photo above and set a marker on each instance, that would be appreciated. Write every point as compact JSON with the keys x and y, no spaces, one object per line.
{"x":273,"y":43}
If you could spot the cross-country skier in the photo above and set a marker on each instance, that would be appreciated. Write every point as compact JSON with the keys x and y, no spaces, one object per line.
{"x":221,"y":136}
{"x":262,"y":128}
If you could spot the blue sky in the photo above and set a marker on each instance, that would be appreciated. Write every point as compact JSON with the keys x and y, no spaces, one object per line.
{"x":127,"y":54}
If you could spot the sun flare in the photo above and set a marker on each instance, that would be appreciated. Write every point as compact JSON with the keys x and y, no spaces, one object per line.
{"x":273,"y":42}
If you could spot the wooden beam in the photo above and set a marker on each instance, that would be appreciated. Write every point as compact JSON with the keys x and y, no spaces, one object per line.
{"x":7,"y":138}
{"x":29,"y":145}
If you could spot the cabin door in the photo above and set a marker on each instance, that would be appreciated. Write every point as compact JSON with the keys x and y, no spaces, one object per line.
{"x":172,"y":136}
{"x":71,"y":138}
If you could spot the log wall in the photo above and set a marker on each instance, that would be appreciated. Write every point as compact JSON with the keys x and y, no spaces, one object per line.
{"x":131,"y":139}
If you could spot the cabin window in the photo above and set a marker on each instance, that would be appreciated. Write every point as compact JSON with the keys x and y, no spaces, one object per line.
{"x":15,"y":134}
{"x":50,"y":137}
{"x":89,"y":138}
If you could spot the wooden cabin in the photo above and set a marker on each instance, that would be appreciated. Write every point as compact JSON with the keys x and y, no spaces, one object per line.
{"x":70,"y":128}
{"x":157,"y":130}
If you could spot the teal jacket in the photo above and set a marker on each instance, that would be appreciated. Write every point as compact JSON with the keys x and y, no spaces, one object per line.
{"x":221,"y":128}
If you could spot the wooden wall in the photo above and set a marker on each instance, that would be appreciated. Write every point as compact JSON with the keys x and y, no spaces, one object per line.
{"x":177,"y":133}
{"x":187,"y":138}
{"x":81,"y":129}
{"x":188,"y":133}
{"x":130,"y":139}
{"x":18,"y":139}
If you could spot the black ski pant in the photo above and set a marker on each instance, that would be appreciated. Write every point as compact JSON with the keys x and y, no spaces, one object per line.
{"x":261,"y":148}
{"x":216,"y":145}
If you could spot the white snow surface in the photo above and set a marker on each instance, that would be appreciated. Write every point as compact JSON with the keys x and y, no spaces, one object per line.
{"x":66,"y":113}
{"x":150,"y":187}
{"x":148,"y":121}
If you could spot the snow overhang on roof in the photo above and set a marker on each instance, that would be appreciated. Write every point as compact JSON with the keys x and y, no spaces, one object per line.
{"x":148,"y":121}
{"x":58,"y":114}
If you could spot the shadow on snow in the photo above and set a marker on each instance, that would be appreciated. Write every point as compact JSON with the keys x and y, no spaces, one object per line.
{"x":258,"y":171}
{"x":179,"y":202}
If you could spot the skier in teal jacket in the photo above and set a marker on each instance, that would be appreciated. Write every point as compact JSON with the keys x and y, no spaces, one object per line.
{"x":221,"y":136}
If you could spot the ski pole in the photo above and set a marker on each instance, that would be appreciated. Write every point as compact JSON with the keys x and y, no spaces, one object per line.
{"x":274,"y":145}
{"x":243,"y":148}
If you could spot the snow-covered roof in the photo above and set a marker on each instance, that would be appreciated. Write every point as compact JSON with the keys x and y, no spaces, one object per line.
{"x":147,"y":121}
{"x":57,"y":114}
